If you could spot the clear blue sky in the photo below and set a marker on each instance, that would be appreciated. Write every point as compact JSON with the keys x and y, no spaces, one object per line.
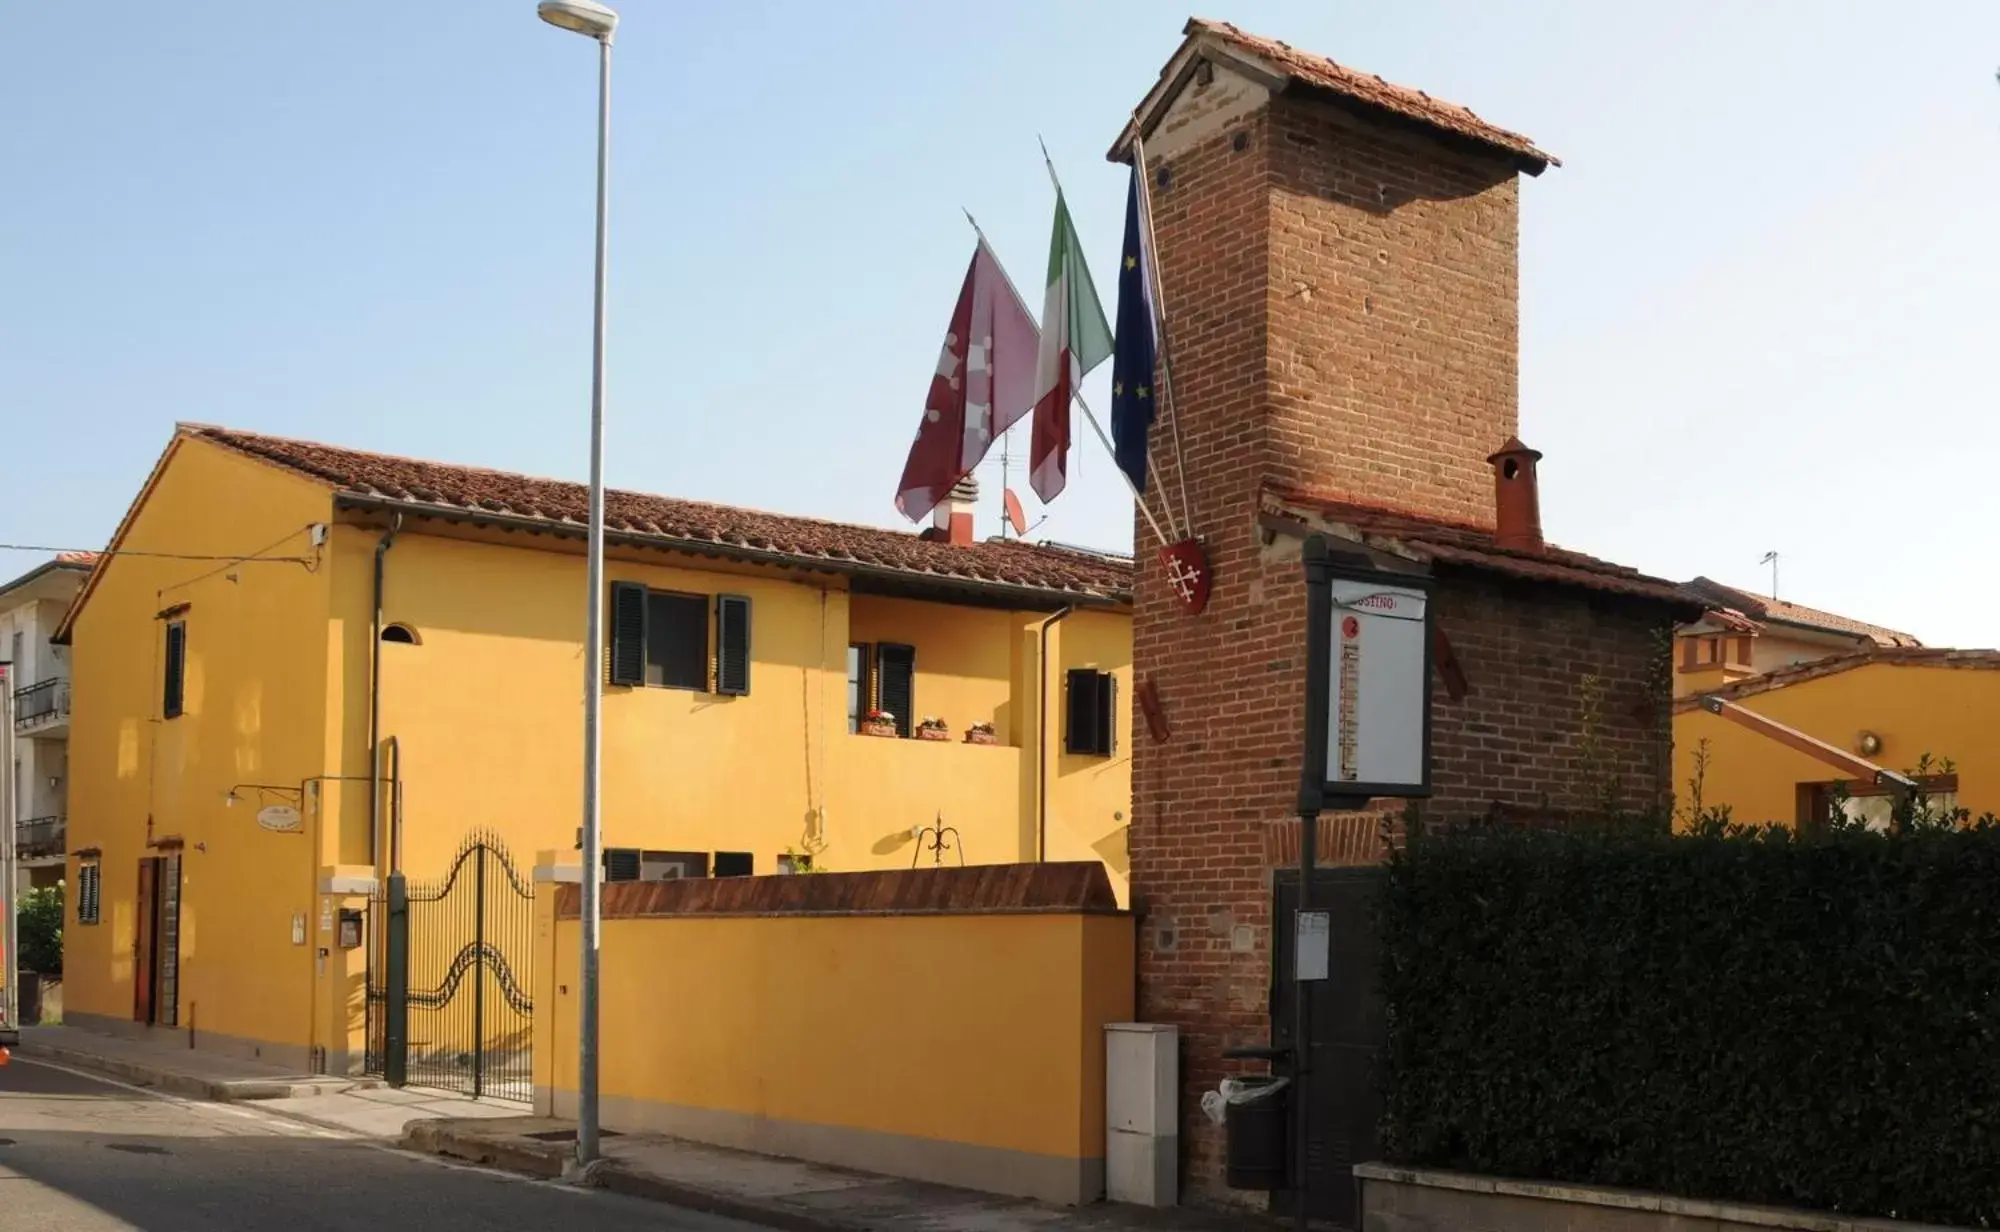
{"x":1761,"y":300}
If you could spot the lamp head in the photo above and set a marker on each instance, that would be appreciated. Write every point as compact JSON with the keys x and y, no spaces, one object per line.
{"x":580,"y":16}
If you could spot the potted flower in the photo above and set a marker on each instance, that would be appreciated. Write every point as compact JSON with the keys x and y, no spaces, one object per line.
{"x":981,"y":733}
{"x":933,"y":728}
{"x":878,"y":723}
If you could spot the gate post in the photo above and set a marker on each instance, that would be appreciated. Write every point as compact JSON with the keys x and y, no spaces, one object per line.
{"x":479,"y":973}
{"x":396,"y":985}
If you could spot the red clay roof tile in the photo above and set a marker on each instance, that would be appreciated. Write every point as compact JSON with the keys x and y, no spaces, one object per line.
{"x":689,"y":524}
{"x":1797,"y":613}
{"x":1320,"y":72}
{"x":1473,"y":547}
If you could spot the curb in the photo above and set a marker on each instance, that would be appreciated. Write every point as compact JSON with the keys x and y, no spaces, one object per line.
{"x":229,"y":1091}
{"x":551,"y":1161}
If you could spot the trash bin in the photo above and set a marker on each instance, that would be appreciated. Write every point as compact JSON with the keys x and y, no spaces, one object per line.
{"x":1257,"y":1131}
{"x":30,"y":998}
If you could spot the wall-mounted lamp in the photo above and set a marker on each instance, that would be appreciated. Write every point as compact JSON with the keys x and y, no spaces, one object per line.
{"x":1868,"y":744}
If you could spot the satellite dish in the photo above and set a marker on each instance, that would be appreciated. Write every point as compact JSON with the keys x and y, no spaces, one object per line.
{"x":1016,"y":517}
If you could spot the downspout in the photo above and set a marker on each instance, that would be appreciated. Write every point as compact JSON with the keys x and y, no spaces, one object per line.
{"x":375,"y":846}
{"x":1042,"y":737}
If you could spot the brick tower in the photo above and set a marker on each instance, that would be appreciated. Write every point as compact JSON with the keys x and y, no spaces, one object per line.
{"x":1340,"y":267}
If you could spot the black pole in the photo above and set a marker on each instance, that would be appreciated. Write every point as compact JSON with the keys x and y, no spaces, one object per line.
{"x":1312,"y":788}
{"x":396,"y":985}
{"x":479,"y":974}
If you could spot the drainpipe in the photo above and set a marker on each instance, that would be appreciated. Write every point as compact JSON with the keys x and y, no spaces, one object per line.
{"x":382,"y":547}
{"x":1042,"y":738}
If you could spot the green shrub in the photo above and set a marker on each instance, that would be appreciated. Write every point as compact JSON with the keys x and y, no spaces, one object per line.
{"x":1736,"y":1014}
{"x":41,"y":923}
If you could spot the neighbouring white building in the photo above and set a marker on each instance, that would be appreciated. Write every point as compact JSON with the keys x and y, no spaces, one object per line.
{"x":31,"y":606}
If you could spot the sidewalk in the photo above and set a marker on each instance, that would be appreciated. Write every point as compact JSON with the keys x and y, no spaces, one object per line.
{"x":179,"y":1071}
{"x":787,"y":1193}
{"x":353,"y":1105}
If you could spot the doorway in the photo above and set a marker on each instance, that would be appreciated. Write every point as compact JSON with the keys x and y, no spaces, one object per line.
{"x":156,"y":948}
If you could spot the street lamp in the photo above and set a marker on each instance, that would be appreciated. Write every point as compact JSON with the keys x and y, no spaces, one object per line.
{"x":595,"y":20}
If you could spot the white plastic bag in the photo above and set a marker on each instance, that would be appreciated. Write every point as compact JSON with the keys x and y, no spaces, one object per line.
{"x":1239,"y":1091}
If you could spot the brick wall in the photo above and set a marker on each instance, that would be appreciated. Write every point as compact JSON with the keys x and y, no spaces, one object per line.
{"x":1343,"y":313}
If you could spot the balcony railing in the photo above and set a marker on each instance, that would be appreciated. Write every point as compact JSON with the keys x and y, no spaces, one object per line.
{"x":41,"y":703}
{"x":39,"y":836}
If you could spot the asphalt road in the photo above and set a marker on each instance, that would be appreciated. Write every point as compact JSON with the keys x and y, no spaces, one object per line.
{"x":81,"y":1155}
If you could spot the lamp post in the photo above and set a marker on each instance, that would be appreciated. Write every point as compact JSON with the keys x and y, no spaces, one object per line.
{"x":598,"y":22}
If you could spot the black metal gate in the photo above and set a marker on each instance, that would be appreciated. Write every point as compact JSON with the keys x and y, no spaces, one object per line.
{"x":1346,"y":1032}
{"x":450,"y":970}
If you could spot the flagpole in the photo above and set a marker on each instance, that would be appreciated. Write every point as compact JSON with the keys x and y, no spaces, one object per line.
{"x":1158,"y":280}
{"x":1092,"y":416}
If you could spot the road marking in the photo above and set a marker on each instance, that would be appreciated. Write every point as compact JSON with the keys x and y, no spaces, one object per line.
{"x":289,"y":1127}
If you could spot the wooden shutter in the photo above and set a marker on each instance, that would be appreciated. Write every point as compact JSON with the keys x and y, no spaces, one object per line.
{"x":628,"y":633}
{"x":732,"y":644}
{"x":176,"y":673}
{"x":896,"y":683}
{"x":1080,"y":702}
{"x":1107,"y":713}
{"x":621,"y":863}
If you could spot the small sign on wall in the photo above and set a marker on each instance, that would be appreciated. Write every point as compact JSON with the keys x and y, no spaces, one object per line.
{"x":280,"y":818}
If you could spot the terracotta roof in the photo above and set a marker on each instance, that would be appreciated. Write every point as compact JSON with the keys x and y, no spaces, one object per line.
{"x":1893,"y":656}
{"x":82,"y":560}
{"x":1473,"y":547}
{"x":1318,"y":72}
{"x":435,"y":487}
{"x":1795,"y":613}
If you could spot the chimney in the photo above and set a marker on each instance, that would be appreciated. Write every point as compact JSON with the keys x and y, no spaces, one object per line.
{"x":951,"y":521}
{"x":1517,"y":507}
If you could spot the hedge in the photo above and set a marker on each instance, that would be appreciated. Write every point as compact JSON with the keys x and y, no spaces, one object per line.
{"x":1808,"y":1022}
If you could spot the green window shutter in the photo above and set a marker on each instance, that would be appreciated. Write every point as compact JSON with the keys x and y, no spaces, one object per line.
{"x":628,"y":633}
{"x":732,"y":644}
{"x":176,"y":670}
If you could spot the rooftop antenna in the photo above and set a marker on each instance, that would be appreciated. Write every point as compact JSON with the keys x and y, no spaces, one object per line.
{"x":1771,"y":559}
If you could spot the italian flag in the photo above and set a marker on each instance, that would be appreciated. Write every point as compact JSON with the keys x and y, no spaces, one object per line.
{"x":1075,"y":339}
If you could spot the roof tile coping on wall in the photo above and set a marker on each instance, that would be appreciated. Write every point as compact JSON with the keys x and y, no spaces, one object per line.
{"x":1317,"y":72}
{"x":1073,"y":888}
{"x":1431,"y":540}
{"x":1893,"y":656}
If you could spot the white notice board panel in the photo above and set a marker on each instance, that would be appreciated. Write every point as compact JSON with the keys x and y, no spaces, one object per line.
{"x":1378,"y":690}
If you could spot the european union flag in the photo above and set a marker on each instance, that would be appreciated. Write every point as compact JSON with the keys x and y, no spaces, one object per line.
{"x":1132,"y":400}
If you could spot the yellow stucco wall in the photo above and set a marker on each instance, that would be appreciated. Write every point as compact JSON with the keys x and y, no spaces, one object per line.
{"x":255,"y":712}
{"x":486,"y":713}
{"x":976,"y":1031}
{"x":1945,"y":711}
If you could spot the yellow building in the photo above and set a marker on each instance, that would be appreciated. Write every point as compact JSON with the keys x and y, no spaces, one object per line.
{"x":1807,"y":726}
{"x":1745,"y":635}
{"x":275,"y":617}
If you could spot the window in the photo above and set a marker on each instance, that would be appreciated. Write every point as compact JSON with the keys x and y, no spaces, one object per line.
{"x":860,"y":693}
{"x":632,"y":864}
{"x":86,"y":893}
{"x":660,"y":638}
{"x":734,"y":864}
{"x":676,"y":641}
{"x":401,"y":635}
{"x":1093,"y":713}
{"x":176,"y":670}
{"x":896,"y":683}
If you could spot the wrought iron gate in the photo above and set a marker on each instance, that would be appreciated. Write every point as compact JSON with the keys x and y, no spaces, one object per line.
{"x":1346,"y":1031}
{"x":449,"y":974}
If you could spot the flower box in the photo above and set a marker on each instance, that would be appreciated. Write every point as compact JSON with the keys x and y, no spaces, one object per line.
{"x":975,"y":736}
{"x":879,"y":727}
{"x":934,"y":733}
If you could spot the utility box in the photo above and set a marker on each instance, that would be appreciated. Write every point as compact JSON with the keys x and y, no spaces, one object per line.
{"x":1142,"y":1079}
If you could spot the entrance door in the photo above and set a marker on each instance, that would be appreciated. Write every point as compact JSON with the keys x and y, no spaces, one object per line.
{"x":142,"y":939}
{"x":1346,"y":1031}
{"x":156,"y":950}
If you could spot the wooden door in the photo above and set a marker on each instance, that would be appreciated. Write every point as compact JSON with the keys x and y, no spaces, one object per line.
{"x":167,"y":941}
{"x":143,"y":968}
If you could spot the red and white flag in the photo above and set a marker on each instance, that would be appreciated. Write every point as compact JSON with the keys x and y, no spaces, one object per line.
{"x":985,"y":381}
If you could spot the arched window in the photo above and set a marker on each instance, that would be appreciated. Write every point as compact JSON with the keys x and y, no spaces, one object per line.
{"x":401,"y":634}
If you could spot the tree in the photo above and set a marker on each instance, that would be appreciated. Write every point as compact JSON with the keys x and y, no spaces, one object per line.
{"x":41,"y":921}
